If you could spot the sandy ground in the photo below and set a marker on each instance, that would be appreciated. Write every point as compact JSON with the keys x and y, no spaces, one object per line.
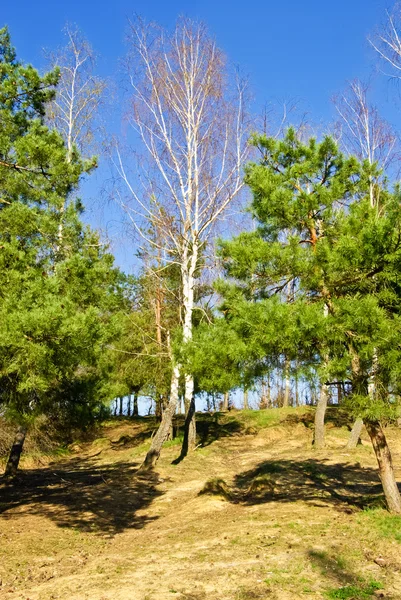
{"x":278,"y":521}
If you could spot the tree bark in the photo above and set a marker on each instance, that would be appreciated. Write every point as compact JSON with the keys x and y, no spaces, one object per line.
{"x":135,"y":411}
{"x":189,"y":442}
{"x":286,"y":397}
{"x":226,"y":401}
{"x":190,"y":416}
{"x":386,"y":471}
{"x":296,"y":385}
{"x":181,"y":406}
{"x":246,"y":403}
{"x":15,"y":453}
{"x":318,"y":438}
{"x":339,"y":393}
{"x":129,"y":406}
{"x":159,"y":408}
{"x":121,"y":406}
{"x":188,"y":271}
{"x":165,"y":425}
{"x":355,"y":434}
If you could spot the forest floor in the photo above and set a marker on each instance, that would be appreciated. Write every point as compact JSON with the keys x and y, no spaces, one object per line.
{"x":253,"y":513}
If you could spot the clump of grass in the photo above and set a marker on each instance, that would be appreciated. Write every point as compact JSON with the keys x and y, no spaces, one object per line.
{"x":386,"y":525}
{"x":354,"y":592}
{"x":177,"y":441}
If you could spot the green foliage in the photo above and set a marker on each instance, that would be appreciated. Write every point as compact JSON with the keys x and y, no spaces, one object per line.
{"x":60,"y":294}
{"x":141,"y":356}
{"x":318,"y":278}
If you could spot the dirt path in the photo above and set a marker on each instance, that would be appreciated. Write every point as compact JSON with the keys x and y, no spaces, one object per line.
{"x":280,"y":522}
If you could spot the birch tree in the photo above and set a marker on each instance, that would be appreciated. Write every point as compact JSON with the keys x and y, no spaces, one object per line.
{"x":80,"y":93}
{"x":190,"y":120}
{"x":365,"y":133}
{"x":387,"y":43}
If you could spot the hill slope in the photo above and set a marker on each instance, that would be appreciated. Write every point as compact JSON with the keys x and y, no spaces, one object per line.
{"x":253,"y":513}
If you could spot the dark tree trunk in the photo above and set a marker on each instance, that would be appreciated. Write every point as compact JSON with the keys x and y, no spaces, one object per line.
{"x":189,"y":442}
{"x":355,"y":434}
{"x":246,"y":403}
{"x":318,"y":438}
{"x":159,"y":409}
{"x":160,"y":437}
{"x":135,"y":411}
{"x":129,"y":406}
{"x":386,"y":471}
{"x":165,"y":425}
{"x":191,"y":418}
{"x":115,"y":407}
{"x":121,"y":406}
{"x":15,"y":453}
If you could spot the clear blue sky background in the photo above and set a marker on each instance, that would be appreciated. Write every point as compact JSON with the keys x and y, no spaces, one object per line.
{"x":304,"y":49}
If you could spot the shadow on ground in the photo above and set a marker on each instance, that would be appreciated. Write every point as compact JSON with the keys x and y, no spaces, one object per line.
{"x":99,"y":498}
{"x":211,"y":427}
{"x":314,"y":481}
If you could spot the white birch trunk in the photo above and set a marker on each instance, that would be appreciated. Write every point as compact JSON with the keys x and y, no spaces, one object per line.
{"x":188,"y":304}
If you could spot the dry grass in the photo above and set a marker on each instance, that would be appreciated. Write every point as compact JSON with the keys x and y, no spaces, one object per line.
{"x":246,"y":516}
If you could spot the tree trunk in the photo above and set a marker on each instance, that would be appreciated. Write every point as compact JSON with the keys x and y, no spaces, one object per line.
{"x":181,"y":406}
{"x":296,"y":385}
{"x":286,"y":397}
{"x":188,"y":281}
{"x":159,"y":408}
{"x":339,"y":393}
{"x":189,"y":442}
{"x":383,"y":456}
{"x":318,"y":438}
{"x":129,"y":406}
{"x":190,"y":416}
{"x":15,"y":453}
{"x":165,"y":425}
{"x":135,"y":411}
{"x":226,"y":401}
{"x":355,"y":434}
{"x":121,"y":406}
{"x":246,"y":403}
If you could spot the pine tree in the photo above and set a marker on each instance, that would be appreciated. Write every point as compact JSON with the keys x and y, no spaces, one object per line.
{"x":57,"y":303}
{"x":319,"y":233}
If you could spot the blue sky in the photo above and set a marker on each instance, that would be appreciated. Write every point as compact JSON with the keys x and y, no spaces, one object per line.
{"x":290,"y":49}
